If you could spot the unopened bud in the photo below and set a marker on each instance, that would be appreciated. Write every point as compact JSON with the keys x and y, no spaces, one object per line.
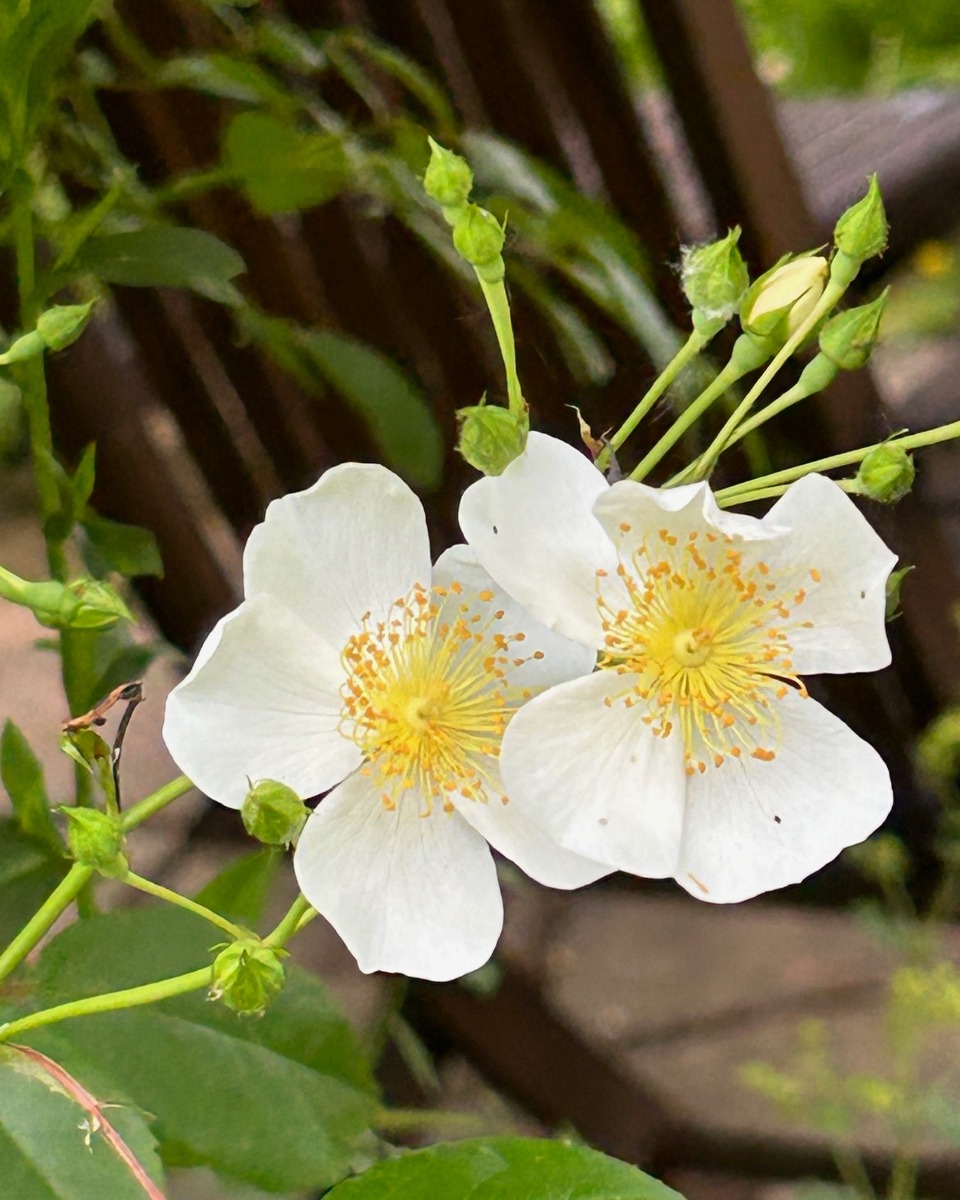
{"x":247,"y":975}
{"x":83,"y":604}
{"x":862,"y":230}
{"x":713,"y":278}
{"x":273,"y":813}
{"x":849,"y":337}
{"x":448,"y":178}
{"x":96,"y":840}
{"x":62,"y":325}
{"x":779,"y":302}
{"x":886,"y":474}
{"x":491,"y":437}
{"x":478,"y":237}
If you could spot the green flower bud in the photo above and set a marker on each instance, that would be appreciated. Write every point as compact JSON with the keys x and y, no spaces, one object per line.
{"x":62,"y":325}
{"x":849,"y":337}
{"x":29,"y":345}
{"x":247,"y":975}
{"x":886,"y":474}
{"x":478,"y":238}
{"x":448,"y":178}
{"x":273,"y":813}
{"x":84,"y":604}
{"x":96,"y":840}
{"x":713,"y":278}
{"x":778,"y":303}
{"x":862,"y":230}
{"x":819,"y":372}
{"x":491,"y":437}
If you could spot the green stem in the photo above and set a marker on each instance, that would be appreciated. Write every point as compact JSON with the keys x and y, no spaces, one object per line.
{"x":912,"y":441}
{"x":903,"y":1178}
{"x":147,"y":993}
{"x":172,"y":897}
{"x":410,"y":1120}
{"x":495,"y":295}
{"x":299,"y":914}
{"x":853,"y":1172}
{"x":153,"y":803}
{"x":686,"y":354}
{"x":77,"y":878}
{"x":790,"y":397}
{"x":726,"y":378}
{"x":56,"y":903}
{"x":705,"y":463}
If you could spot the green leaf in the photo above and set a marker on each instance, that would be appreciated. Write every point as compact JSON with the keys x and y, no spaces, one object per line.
{"x":52,"y":1149}
{"x":242,"y":889}
{"x":35,"y":39}
{"x":281,"y":169}
{"x":224,"y":76}
{"x":400,"y":420}
{"x":233,"y":1094}
{"x":163,"y":257}
{"x":503,"y":1169}
{"x":127,"y":549}
{"x":22,"y":776}
{"x":28,"y":874}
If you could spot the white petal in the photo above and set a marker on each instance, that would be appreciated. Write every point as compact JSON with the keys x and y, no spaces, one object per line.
{"x":533,"y":530}
{"x":410,"y":894}
{"x":262,"y":702}
{"x":595,"y":779}
{"x":828,"y":788}
{"x":562,"y":659}
{"x":828,"y":534}
{"x":354,"y":542}
{"x":525,"y":843}
{"x":679,"y":510}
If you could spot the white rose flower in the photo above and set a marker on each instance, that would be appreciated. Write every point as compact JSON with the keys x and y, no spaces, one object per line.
{"x":695,"y":750}
{"x":350,"y":662}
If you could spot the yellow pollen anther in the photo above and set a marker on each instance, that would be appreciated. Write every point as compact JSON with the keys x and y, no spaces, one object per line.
{"x":427,"y":700}
{"x":700,"y":637}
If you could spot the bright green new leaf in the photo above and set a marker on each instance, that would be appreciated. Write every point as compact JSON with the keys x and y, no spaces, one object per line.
{"x":28,"y":874}
{"x":163,"y":256}
{"x":505,"y":1168}
{"x":127,"y":549}
{"x":230,"y":1093}
{"x":53,"y":1148}
{"x":280,"y":168}
{"x":22,"y":776}
{"x":242,"y":889}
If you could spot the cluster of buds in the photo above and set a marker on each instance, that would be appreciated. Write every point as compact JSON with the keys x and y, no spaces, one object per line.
{"x":491,"y":437}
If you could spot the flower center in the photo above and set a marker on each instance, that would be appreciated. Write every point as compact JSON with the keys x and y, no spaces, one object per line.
{"x":700,"y":630}
{"x":427,"y":696}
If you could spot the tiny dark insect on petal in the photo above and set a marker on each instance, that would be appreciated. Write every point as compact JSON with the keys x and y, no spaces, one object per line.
{"x":495,"y":529}
{"x":777,"y":819}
